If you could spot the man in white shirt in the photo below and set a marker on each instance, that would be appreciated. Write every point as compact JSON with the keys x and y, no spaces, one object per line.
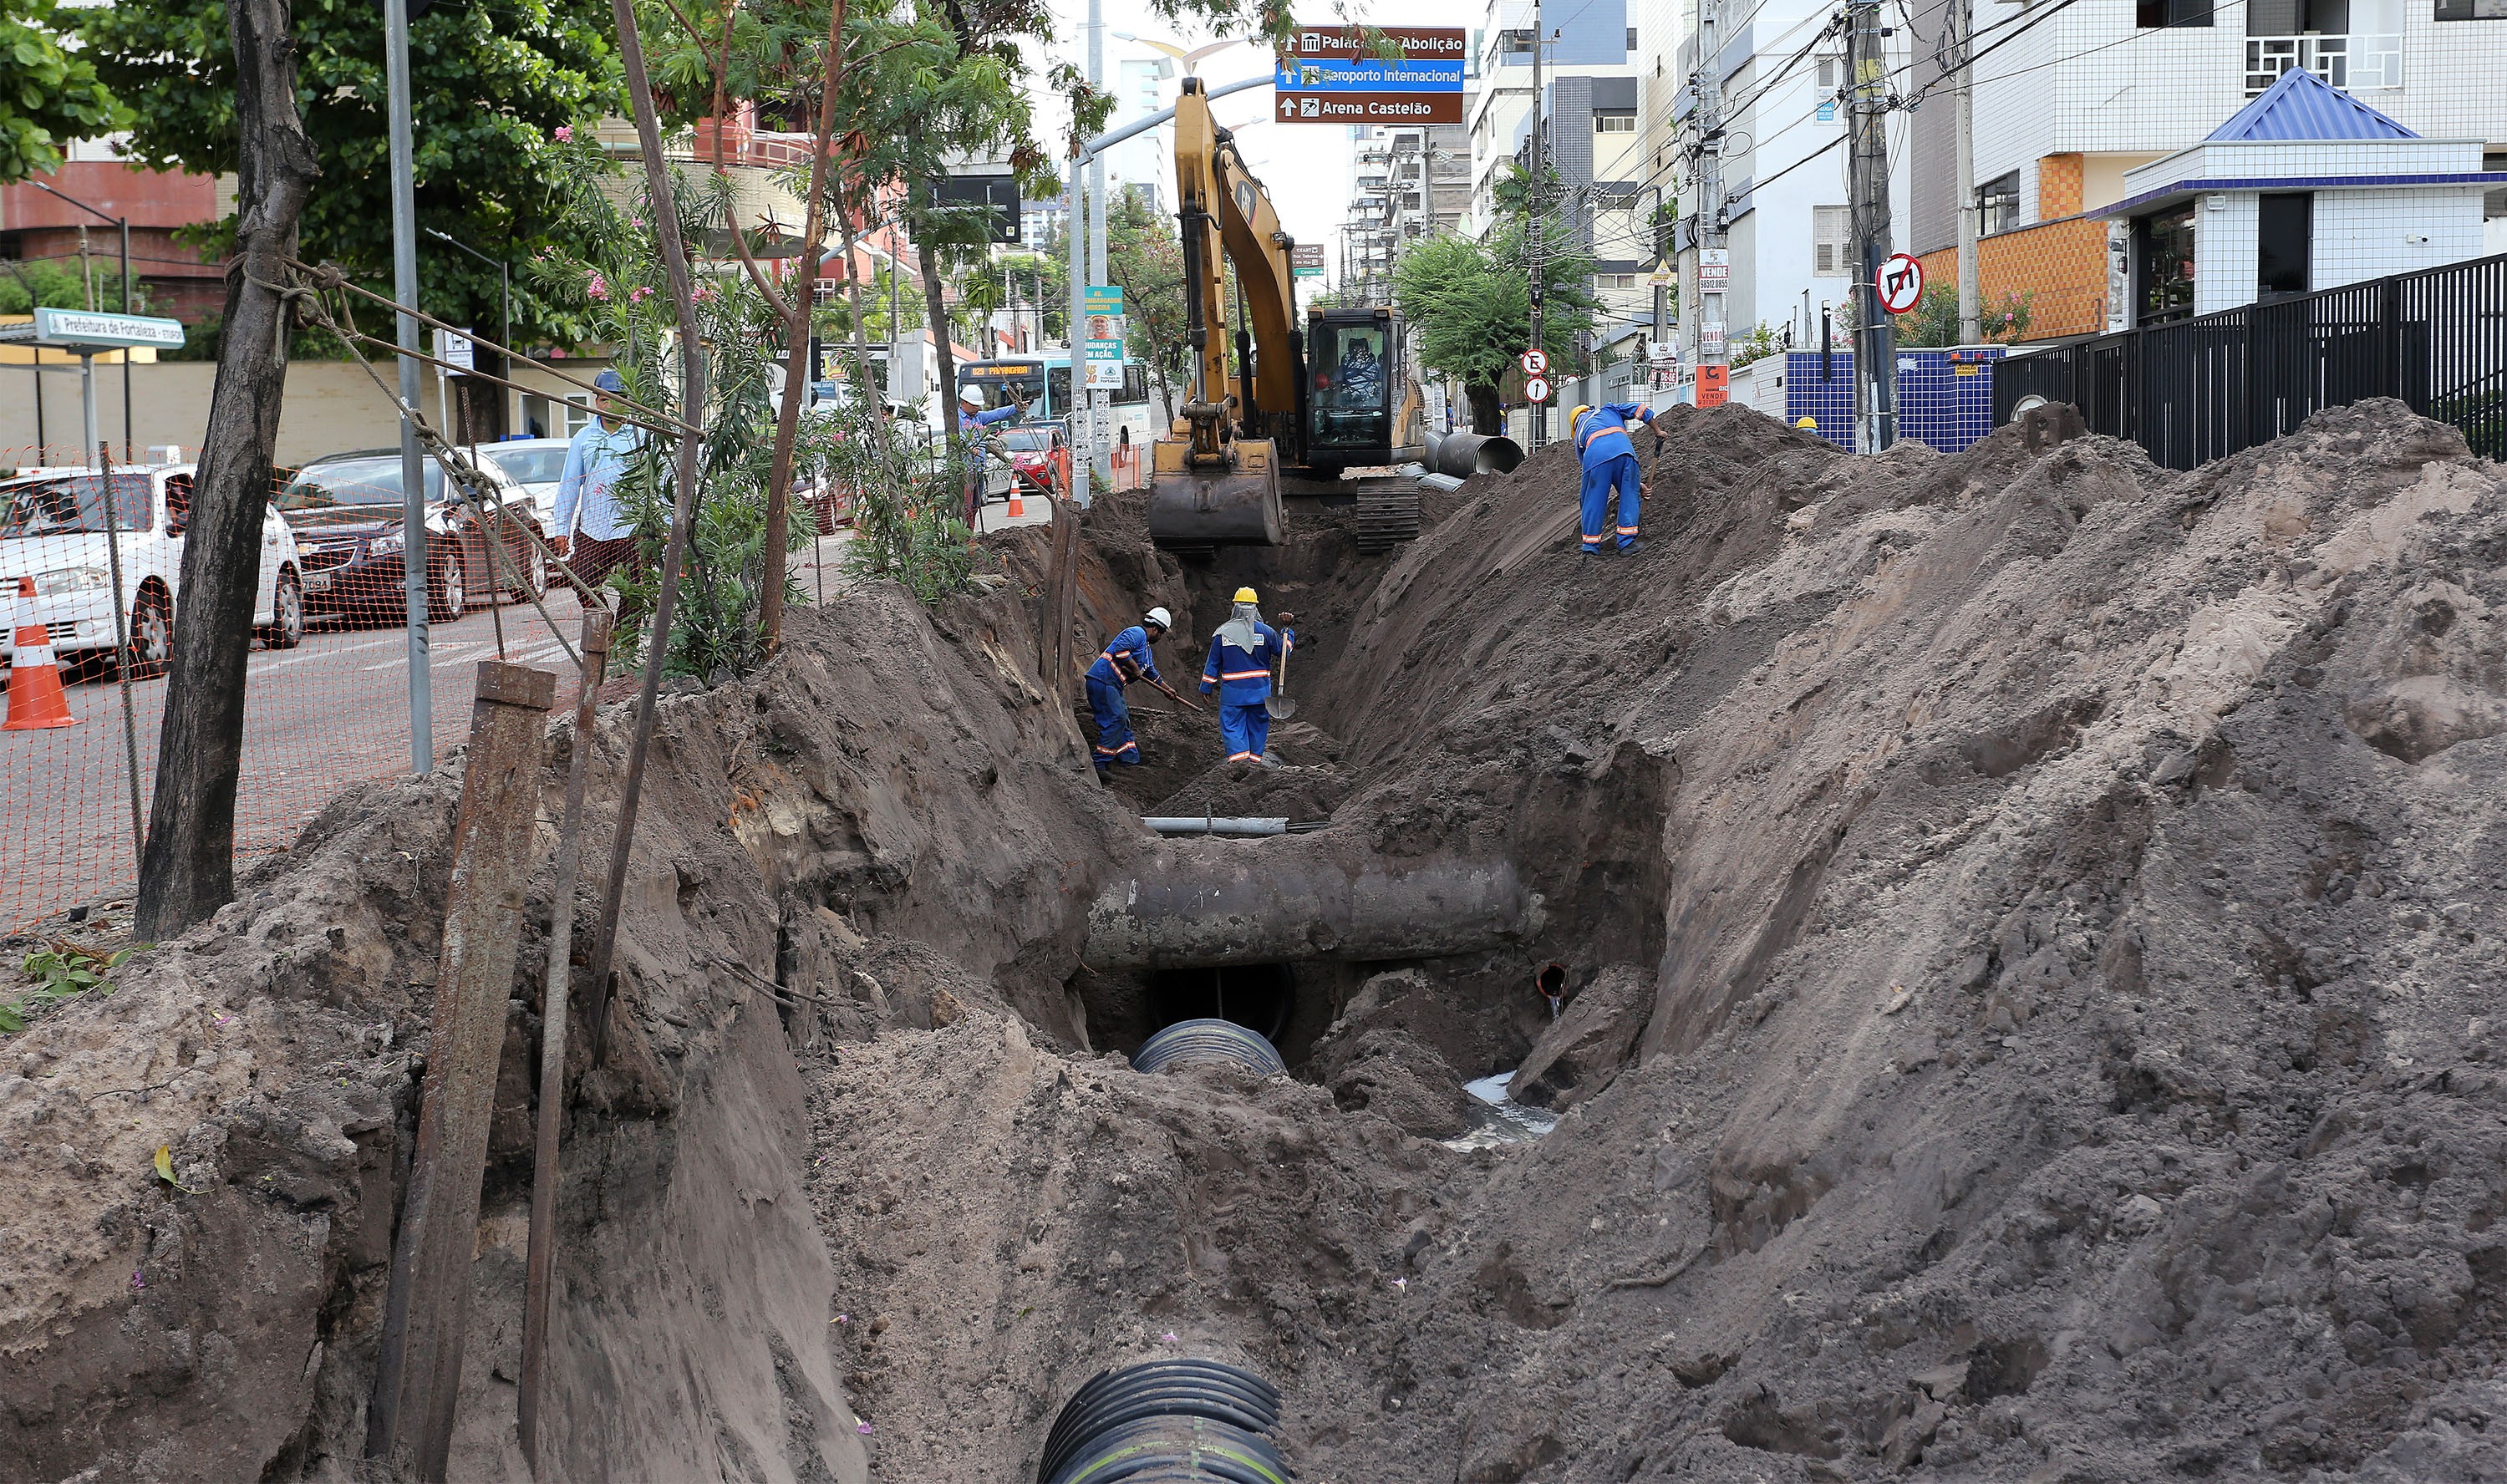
{"x":594,"y":533}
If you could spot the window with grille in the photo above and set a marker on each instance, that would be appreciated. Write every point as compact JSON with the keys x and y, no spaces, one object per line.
{"x":1615,"y":121}
{"x":1998,"y":204}
{"x":2472,"y":10}
{"x":1832,"y":231}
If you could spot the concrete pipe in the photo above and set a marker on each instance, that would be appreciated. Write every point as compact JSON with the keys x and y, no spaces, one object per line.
{"x":1464,"y":454}
{"x":1200,"y":904}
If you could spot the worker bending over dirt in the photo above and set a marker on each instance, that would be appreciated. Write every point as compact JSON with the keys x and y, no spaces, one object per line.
{"x":1242,"y":654}
{"x":1122,"y":662}
{"x":1610,"y":460}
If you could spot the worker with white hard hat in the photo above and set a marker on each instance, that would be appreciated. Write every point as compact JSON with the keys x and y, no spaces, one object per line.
{"x":1242,"y":655}
{"x":1123,"y":660}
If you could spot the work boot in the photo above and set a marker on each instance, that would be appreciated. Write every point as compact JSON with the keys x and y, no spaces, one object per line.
{"x":1105,"y":779}
{"x":1632,"y":546}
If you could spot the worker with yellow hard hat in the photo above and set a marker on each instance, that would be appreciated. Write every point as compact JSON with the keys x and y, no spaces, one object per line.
{"x":1242,"y":655}
{"x":1610,"y":460}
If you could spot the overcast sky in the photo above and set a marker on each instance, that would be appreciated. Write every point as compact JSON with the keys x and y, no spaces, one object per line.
{"x":1306,"y":167}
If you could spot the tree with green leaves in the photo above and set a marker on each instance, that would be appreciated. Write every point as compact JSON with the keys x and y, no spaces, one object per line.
{"x":491,"y":85}
{"x":1144,"y":255}
{"x":1469,"y":306}
{"x":52,"y":96}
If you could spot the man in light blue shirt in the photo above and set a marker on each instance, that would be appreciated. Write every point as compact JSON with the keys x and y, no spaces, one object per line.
{"x":594,"y":531}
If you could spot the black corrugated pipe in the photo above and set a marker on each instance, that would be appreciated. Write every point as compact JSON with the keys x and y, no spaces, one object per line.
{"x":1464,"y":454}
{"x":1187,"y":1419}
{"x":1209,"y":1043}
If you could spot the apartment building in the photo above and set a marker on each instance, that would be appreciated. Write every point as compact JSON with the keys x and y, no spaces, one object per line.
{"x":1146,"y":160}
{"x":1409,"y":181}
{"x":2077,"y":105}
{"x":1782,"y":156}
{"x":1587,"y":44}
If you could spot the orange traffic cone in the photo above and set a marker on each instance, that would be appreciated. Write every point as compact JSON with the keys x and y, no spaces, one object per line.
{"x":1018,"y":507}
{"x":36,"y":699}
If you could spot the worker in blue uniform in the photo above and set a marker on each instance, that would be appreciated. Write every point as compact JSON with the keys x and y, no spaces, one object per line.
{"x":1124,"y":660}
{"x":1242,"y":655}
{"x":1610,"y":460}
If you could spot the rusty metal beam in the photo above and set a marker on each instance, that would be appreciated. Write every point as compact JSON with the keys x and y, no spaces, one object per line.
{"x":553,"y":999}
{"x":419,"y":1367}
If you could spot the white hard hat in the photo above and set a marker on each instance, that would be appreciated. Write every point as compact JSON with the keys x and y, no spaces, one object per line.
{"x":1158,"y":616}
{"x":971,"y":396}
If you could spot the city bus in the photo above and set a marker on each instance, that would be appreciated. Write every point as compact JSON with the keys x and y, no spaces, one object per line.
{"x":1043,"y":383}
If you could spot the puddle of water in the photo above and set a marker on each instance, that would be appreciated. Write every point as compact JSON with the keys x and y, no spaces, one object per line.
{"x":1499,"y":1120}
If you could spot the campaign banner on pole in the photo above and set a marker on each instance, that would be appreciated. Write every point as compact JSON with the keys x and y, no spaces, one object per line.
{"x":1104,"y":308}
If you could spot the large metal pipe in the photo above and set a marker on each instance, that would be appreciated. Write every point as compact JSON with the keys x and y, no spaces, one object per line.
{"x":1238,"y":826}
{"x":1201,"y":904}
{"x":1464,"y":454}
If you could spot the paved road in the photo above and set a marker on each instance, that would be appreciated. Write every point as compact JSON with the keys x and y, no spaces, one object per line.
{"x":331,"y":712}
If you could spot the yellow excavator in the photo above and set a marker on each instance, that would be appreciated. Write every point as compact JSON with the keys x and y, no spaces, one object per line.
{"x":1306,"y":405}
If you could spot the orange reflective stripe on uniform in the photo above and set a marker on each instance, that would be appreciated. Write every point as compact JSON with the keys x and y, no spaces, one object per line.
{"x":1244,"y":675}
{"x":1627,"y":531}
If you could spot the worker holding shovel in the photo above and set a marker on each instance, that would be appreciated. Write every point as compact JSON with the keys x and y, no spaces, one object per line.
{"x":1124,"y":660}
{"x":1241,"y":656}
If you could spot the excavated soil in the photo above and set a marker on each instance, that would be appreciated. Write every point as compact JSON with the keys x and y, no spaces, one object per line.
{"x":2031,"y":925}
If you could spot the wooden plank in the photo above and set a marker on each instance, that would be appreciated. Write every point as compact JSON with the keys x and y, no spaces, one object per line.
{"x":418,"y":1366}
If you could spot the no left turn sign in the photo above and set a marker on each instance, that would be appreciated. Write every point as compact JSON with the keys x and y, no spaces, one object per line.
{"x":1901,"y":282}
{"x":1534,"y":363}
{"x":1536,"y":389}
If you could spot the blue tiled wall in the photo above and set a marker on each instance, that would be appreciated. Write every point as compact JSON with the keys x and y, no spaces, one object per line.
{"x":1936,"y":405}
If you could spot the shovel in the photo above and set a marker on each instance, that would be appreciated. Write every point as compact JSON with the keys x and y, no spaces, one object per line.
{"x":1280,"y":708}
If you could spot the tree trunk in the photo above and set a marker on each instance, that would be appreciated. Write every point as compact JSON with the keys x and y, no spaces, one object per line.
{"x":187,"y":870}
{"x":796,"y":332}
{"x":1485,"y":417}
{"x":946,"y":362}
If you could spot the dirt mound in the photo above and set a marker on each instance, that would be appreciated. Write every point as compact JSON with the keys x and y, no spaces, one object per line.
{"x":2070,"y":1058}
{"x":2053,"y":902}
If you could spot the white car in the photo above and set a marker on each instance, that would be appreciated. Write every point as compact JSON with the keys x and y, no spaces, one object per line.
{"x":534,"y":466}
{"x":57,"y":562}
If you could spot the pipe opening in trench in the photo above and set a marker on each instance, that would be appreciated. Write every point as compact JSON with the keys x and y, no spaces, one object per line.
{"x":1262,"y":998}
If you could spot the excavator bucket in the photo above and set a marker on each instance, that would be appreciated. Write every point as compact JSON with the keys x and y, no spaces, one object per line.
{"x":1203,"y":506}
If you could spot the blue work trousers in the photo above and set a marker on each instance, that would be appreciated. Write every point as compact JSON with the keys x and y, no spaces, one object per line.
{"x":1114,"y":741}
{"x":1618,"y":474}
{"x":1245,"y":729}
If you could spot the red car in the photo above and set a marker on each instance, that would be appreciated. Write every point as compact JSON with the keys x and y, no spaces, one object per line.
{"x":1037,"y":451}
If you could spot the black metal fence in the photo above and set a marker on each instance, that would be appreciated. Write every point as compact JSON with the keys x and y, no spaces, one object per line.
{"x":2201,"y":389}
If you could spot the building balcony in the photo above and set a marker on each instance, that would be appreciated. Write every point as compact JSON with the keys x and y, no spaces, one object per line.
{"x":2352,"y":63}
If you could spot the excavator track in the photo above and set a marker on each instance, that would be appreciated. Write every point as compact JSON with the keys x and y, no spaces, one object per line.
{"x":1388,"y":515}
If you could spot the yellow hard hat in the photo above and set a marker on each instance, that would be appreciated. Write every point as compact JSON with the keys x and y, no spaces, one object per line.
{"x":1244,"y":596}
{"x":1574,"y":418}
{"x":1808,"y":423}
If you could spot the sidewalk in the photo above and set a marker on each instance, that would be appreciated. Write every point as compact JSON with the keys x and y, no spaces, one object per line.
{"x":823,"y":567}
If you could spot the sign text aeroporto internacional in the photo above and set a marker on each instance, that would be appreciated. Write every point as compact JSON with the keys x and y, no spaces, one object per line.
{"x":1335,"y":75}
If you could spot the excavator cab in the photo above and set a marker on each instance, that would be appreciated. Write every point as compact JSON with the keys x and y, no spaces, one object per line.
{"x":1359,"y":407}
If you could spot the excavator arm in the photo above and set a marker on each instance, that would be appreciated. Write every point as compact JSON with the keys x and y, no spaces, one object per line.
{"x":1223,"y":449}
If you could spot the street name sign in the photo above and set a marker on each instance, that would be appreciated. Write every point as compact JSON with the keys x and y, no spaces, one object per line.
{"x":84,"y":330}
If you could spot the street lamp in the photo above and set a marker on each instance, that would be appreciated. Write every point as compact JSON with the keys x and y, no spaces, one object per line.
{"x":1184,"y":58}
{"x":124,"y":223}
{"x":504,"y":276}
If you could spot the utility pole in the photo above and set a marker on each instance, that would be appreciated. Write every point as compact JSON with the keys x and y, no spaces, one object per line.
{"x":1536,"y":222}
{"x":413,"y":479}
{"x":1661,"y":291}
{"x":1962,"y":18}
{"x":1083,"y":448}
{"x":1875,"y":340}
{"x":1101,"y":448}
{"x":1714,"y":362}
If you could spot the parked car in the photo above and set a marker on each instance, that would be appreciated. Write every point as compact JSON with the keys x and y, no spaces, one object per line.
{"x":57,"y":540}
{"x":1036,"y":455}
{"x":345,"y":509}
{"x":534,"y":466}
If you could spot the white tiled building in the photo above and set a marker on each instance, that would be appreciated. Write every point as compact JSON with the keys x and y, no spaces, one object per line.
{"x":2118,"y":84}
{"x":2306,"y":187}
